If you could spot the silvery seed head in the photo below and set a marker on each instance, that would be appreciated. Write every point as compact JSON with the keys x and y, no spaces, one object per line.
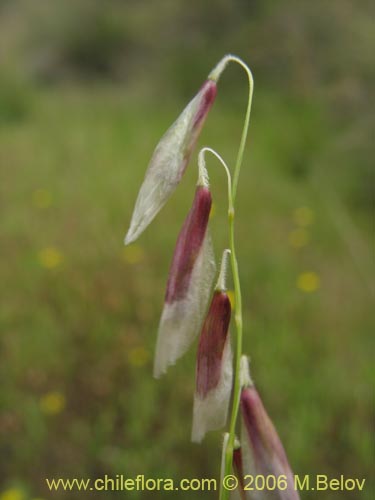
{"x":170,"y":159}
{"x":263,"y":452}
{"x":189,"y":283}
{"x":214,"y":369}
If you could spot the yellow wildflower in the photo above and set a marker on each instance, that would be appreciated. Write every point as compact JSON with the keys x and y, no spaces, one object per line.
{"x":133,"y":254}
{"x":12,"y":494}
{"x":42,"y":198}
{"x":50,"y":258}
{"x":303,"y":216}
{"x":52,"y":403}
{"x":308,"y":282}
{"x":298,"y":238}
{"x":138,"y":356}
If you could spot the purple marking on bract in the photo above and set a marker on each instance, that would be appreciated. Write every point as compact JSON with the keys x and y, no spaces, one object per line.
{"x":189,"y":243}
{"x":265,"y":453}
{"x":170,"y":159}
{"x":209,"y":91}
{"x":238,"y":469}
{"x":207,"y":94}
{"x":212,"y":343}
{"x":214,"y":372}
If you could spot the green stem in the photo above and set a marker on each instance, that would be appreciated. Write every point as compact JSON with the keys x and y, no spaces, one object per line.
{"x":245,"y":129}
{"x":202,"y":168}
{"x":224,"y":494}
{"x":232,"y":192}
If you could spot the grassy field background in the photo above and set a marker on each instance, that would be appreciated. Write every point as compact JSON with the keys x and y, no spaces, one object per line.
{"x":79,"y":312}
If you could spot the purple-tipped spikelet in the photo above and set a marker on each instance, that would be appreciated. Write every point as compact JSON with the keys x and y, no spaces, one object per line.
{"x":188,"y":245}
{"x":170,"y":160}
{"x":214,"y":364}
{"x":263,"y":452}
{"x":189,"y":283}
{"x":239,"y":493}
{"x":238,"y":469}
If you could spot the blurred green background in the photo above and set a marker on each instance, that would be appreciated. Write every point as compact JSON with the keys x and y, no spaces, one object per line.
{"x":87,"y":88}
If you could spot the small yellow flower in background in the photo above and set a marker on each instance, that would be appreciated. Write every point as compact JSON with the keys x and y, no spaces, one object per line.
{"x":42,"y":198}
{"x":52,"y":403}
{"x":298,"y":238}
{"x":213,"y":210}
{"x":12,"y":494}
{"x":308,"y":282}
{"x":232,"y":299}
{"x":133,"y":254}
{"x":50,"y":258}
{"x":138,"y":356}
{"x":303,"y":216}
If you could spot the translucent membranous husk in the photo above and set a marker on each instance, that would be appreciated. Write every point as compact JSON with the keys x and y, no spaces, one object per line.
{"x":262,"y":451}
{"x":236,"y":493}
{"x":214,"y":371}
{"x":189,"y":285}
{"x":238,"y":469}
{"x":170,"y":160}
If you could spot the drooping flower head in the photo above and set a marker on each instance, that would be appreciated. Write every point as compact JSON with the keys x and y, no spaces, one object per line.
{"x":214,"y":369}
{"x":263,"y":452}
{"x":171,"y":156}
{"x":189,"y":283}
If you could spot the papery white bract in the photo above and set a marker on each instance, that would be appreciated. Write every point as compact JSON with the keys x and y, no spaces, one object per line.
{"x":237,"y":494}
{"x":189,"y":285}
{"x":210,"y":411}
{"x":262,"y":451}
{"x":214,"y":370}
{"x":234,"y":495}
{"x":238,"y":469}
{"x":181,"y":320}
{"x":170,"y":160}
